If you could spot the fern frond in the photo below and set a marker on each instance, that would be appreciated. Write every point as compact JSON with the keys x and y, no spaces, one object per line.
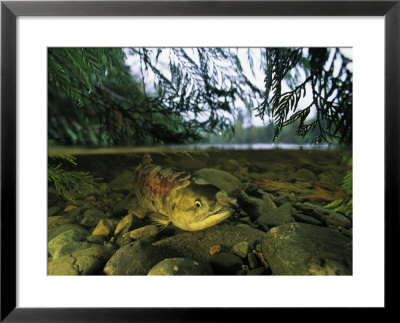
{"x":72,"y":184}
{"x":67,"y":157}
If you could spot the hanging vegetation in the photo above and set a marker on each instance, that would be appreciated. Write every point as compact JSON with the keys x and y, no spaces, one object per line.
{"x":179,"y":95}
{"x":328,"y":77}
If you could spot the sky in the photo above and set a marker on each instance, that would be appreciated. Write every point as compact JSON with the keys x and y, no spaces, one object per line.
{"x":257,"y":78}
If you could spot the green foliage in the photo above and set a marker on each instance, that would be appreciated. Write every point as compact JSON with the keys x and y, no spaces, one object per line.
{"x":94,"y":100}
{"x":186,"y":154}
{"x":178,"y":95}
{"x":331,"y":92}
{"x":86,"y":97}
{"x":345,"y":205}
{"x":65,"y":157}
{"x":347,"y":184}
{"x":71,"y":184}
{"x":260,"y":134}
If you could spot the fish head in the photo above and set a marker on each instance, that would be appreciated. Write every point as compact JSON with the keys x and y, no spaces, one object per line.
{"x":200,"y":205}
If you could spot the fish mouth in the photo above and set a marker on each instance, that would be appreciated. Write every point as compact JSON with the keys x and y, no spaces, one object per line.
{"x":212,"y":219}
{"x":219,"y":211}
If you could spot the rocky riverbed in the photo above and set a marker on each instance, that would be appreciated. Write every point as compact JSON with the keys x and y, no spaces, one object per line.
{"x":281,"y":227}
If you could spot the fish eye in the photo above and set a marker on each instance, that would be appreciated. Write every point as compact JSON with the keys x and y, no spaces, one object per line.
{"x":198,"y":204}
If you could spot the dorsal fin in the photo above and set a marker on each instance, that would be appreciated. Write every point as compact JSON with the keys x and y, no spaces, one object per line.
{"x":146,"y":159}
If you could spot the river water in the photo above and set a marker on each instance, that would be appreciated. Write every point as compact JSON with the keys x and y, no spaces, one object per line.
{"x":307,"y":179}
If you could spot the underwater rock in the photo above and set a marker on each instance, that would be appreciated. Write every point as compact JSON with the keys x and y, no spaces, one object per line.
{"x":284,"y":197}
{"x":69,"y":248}
{"x":231,"y":165}
{"x":180,"y":266}
{"x":306,"y":249}
{"x":135,"y":258}
{"x":120,"y":208}
{"x":103,"y":228}
{"x":305,"y":163}
{"x":338,"y":220}
{"x":241,"y":249}
{"x":328,"y":217}
{"x":258,"y":271}
{"x":196,"y":245}
{"x":96,"y":239}
{"x":215,"y":249}
{"x":91,"y":217}
{"x":53,"y":210}
{"x":331,"y":177}
{"x":281,"y":215}
{"x":234,"y":167}
{"x":63,"y":266}
{"x":123,"y":240}
{"x":224,"y":263}
{"x":89,"y":261}
{"x":255,"y":202}
{"x":303,"y":175}
{"x":306,"y":219}
{"x":268,"y":175}
{"x":53,"y":198}
{"x":252,"y":260}
{"x":75,"y":212}
{"x":59,"y":220}
{"x":248,"y":222}
{"x":147,"y":231}
{"x":123,"y":182}
{"x":221,"y":179}
{"x":261,"y":166}
{"x":69,"y":208}
{"x":66,"y":237}
{"x":115,"y":196}
{"x":126,"y":224}
{"x":65,"y":227}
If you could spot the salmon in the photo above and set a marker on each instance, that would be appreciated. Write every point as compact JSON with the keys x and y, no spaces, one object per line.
{"x":172,"y":196}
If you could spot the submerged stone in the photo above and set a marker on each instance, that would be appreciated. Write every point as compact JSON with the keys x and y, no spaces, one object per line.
{"x":255,"y":202}
{"x":103,"y":228}
{"x":70,"y":247}
{"x":135,"y":258}
{"x":89,"y":261}
{"x":53,"y":210}
{"x":124,"y":181}
{"x":224,"y":263}
{"x":327,"y":216}
{"x":307,"y":219}
{"x":306,"y":249}
{"x":91,"y":217}
{"x":59,"y":220}
{"x":281,"y":215}
{"x":65,"y":238}
{"x":196,"y":245}
{"x":124,"y":225}
{"x":147,"y":231}
{"x":303,"y":175}
{"x":70,"y":226}
{"x":221,"y":179}
{"x":180,"y":266}
{"x":241,"y":249}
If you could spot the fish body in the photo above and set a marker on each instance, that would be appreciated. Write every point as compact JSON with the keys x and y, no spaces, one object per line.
{"x":169,"y":195}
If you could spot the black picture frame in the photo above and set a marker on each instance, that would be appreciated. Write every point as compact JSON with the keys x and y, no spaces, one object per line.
{"x":10,"y":10}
